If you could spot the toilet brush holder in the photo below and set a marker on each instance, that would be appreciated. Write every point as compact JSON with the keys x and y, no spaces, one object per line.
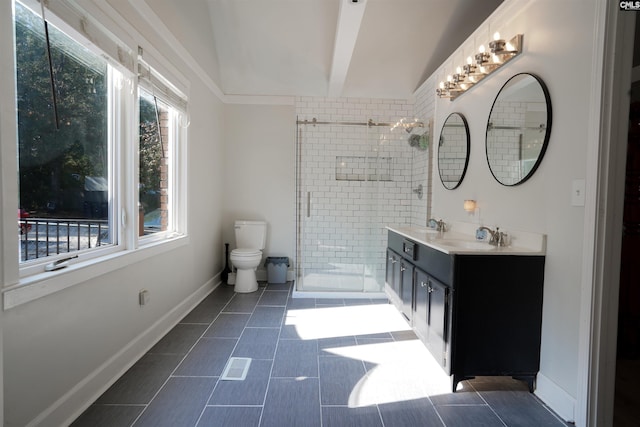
{"x":224,"y":276}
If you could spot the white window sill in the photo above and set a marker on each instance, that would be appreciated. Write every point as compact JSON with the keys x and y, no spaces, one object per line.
{"x":43,"y":284}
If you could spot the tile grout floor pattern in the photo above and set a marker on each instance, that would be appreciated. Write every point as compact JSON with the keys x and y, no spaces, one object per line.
{"x":314,"y":362}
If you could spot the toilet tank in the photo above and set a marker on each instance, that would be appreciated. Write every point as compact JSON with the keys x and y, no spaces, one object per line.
{"x":251,"y":234}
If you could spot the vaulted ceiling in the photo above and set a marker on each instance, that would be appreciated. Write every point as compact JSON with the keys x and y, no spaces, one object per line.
{"x":353,"y":48}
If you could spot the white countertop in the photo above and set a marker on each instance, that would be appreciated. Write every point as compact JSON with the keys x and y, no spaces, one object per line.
{"x":452,"y":242}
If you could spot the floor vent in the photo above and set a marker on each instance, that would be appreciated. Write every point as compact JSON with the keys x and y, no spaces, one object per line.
{"x":236,"y":369}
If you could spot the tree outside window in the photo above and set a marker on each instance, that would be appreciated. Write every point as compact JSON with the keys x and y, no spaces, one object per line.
{"x":154,"y":153}
{"x":63,"y":158}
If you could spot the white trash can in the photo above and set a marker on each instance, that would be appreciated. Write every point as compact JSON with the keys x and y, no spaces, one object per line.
{"x":277,"y":269}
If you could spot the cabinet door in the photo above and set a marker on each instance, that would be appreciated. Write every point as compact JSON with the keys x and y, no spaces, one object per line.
{"x":437,"y":315}
{"x":390,"y":278}
{"x":421,"y":304}
{"x":394,"y":276}
{"x":406,"y":288}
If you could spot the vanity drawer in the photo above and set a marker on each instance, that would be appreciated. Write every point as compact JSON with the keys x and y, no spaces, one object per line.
{"x":410,"y":249}
{"x":438,"y":264}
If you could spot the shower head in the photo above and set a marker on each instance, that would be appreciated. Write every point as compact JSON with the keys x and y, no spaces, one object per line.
{"x":407,"y":124}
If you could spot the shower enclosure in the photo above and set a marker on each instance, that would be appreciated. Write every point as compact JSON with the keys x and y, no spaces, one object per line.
{"x":353,"y":179}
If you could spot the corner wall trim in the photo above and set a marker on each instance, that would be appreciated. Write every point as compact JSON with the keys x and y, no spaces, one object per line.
{"x":555,"y":397}
{"x":71,"y":405}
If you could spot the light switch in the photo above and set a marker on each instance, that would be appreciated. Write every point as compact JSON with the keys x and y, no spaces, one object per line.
{"x":577,"y":192}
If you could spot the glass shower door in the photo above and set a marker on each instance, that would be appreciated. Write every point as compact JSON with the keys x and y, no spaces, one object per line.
{"x":340,"y":235}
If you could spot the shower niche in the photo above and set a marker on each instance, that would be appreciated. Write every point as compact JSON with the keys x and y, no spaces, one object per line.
{"x":354,"y":168}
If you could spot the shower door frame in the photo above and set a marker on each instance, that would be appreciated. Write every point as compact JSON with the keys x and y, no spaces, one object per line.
{"x":303,"y":209}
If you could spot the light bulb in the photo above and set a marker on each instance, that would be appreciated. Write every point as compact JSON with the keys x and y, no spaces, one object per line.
{"x":469,"y":60}
{"x":469,"y":206}
{"x":481,"y":48}
{"x":496,"y":36}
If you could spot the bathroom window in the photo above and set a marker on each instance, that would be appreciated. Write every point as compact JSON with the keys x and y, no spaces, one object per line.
{"x":64,"y":143}
{"x":87,"y":187}
{"x":162,"y":123}
{"x":154,"y":158}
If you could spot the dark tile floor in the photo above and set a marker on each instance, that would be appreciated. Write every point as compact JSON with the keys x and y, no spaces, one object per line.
{"x":315,"y":362}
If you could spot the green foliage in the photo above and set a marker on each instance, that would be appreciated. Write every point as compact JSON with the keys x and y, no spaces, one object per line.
{"x":151,"y":155}
{"x":54,"y":161}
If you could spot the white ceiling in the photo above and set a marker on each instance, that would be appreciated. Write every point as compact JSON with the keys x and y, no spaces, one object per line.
{"x":373,"y":48}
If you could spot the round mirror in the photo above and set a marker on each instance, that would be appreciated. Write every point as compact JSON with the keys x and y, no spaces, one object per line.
{"x":453,"y":151}
{"x":518,"y":129}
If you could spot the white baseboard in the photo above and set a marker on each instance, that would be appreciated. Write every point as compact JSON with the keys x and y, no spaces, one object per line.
{"x":73,"y":403}
{"x":261,"y":275}
{"x":556,"y":398}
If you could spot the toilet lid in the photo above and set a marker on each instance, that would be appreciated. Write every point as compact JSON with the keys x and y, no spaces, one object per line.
{"x":246,"y":252}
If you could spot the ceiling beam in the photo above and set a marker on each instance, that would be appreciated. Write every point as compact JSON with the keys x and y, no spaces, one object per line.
{"x":349,"y":21}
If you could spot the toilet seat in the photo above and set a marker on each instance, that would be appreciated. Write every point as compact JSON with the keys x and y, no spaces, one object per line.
{"x":245,"y":252}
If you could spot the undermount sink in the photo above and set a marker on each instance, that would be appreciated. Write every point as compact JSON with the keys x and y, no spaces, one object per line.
{"x":430,"y":230}
{"x":466,"y":244}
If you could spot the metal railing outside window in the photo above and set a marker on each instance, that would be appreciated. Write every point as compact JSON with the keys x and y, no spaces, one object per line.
{"x":42,"y":237}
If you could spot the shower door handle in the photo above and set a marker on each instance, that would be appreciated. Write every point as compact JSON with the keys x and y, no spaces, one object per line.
{"x":308,"y":204}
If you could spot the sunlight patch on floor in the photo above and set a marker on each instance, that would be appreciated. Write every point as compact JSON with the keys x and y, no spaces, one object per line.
{"x":331,"y":322}
{"x":396,"y":371}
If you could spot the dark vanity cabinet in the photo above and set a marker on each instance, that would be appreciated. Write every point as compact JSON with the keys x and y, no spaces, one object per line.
{"x":400,"y":282}
{"x":477,"y":314}
{"x":393,"y":276}
{"x":431,"y":314}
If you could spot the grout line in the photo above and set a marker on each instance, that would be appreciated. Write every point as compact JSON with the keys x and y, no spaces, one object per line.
{"x":201,"y":337}
{"x":319,"y":355}
{"x":179,"y":363}
{"x":273,"y":363}
{"x":233,"y":406}
{"x":319,"y":382}
{"x":490,"y":407}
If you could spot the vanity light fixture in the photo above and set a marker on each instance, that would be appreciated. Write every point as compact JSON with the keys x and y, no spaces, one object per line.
{"x":470,"y":206}
{"x":480,"y":66}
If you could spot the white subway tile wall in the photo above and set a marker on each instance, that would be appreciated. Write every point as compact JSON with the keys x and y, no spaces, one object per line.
{"x":452,"y":160}
{"x":505,"y":153}
{"x":344,"y":235}
{"x":424,"y":109}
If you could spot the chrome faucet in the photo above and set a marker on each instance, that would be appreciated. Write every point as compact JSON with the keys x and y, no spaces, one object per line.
{"x":440,"y":225}
{"x":498,"y":238}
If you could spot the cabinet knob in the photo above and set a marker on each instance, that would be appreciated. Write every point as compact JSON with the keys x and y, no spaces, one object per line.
{"x":430,"y":289}
{"x":423,"y":284}
{"x":403,"y":268}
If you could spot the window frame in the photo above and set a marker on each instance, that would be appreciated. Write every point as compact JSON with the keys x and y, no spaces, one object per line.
{"x":29,"y":280}
{"x":176,"y":168}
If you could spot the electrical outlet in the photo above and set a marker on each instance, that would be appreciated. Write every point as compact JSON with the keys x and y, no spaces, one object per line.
{"x":143,"y":297}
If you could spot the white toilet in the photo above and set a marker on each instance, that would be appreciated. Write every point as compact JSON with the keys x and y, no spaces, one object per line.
{"x":251,"y":237}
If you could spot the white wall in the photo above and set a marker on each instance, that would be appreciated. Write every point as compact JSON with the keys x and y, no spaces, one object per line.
{"x":61,"y":351}
{"x":189,"y":21}
{"x":555,"y":49}
{"x":259,"y":173}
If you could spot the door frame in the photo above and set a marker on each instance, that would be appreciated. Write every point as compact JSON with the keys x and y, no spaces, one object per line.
{"x":606,"y":154}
